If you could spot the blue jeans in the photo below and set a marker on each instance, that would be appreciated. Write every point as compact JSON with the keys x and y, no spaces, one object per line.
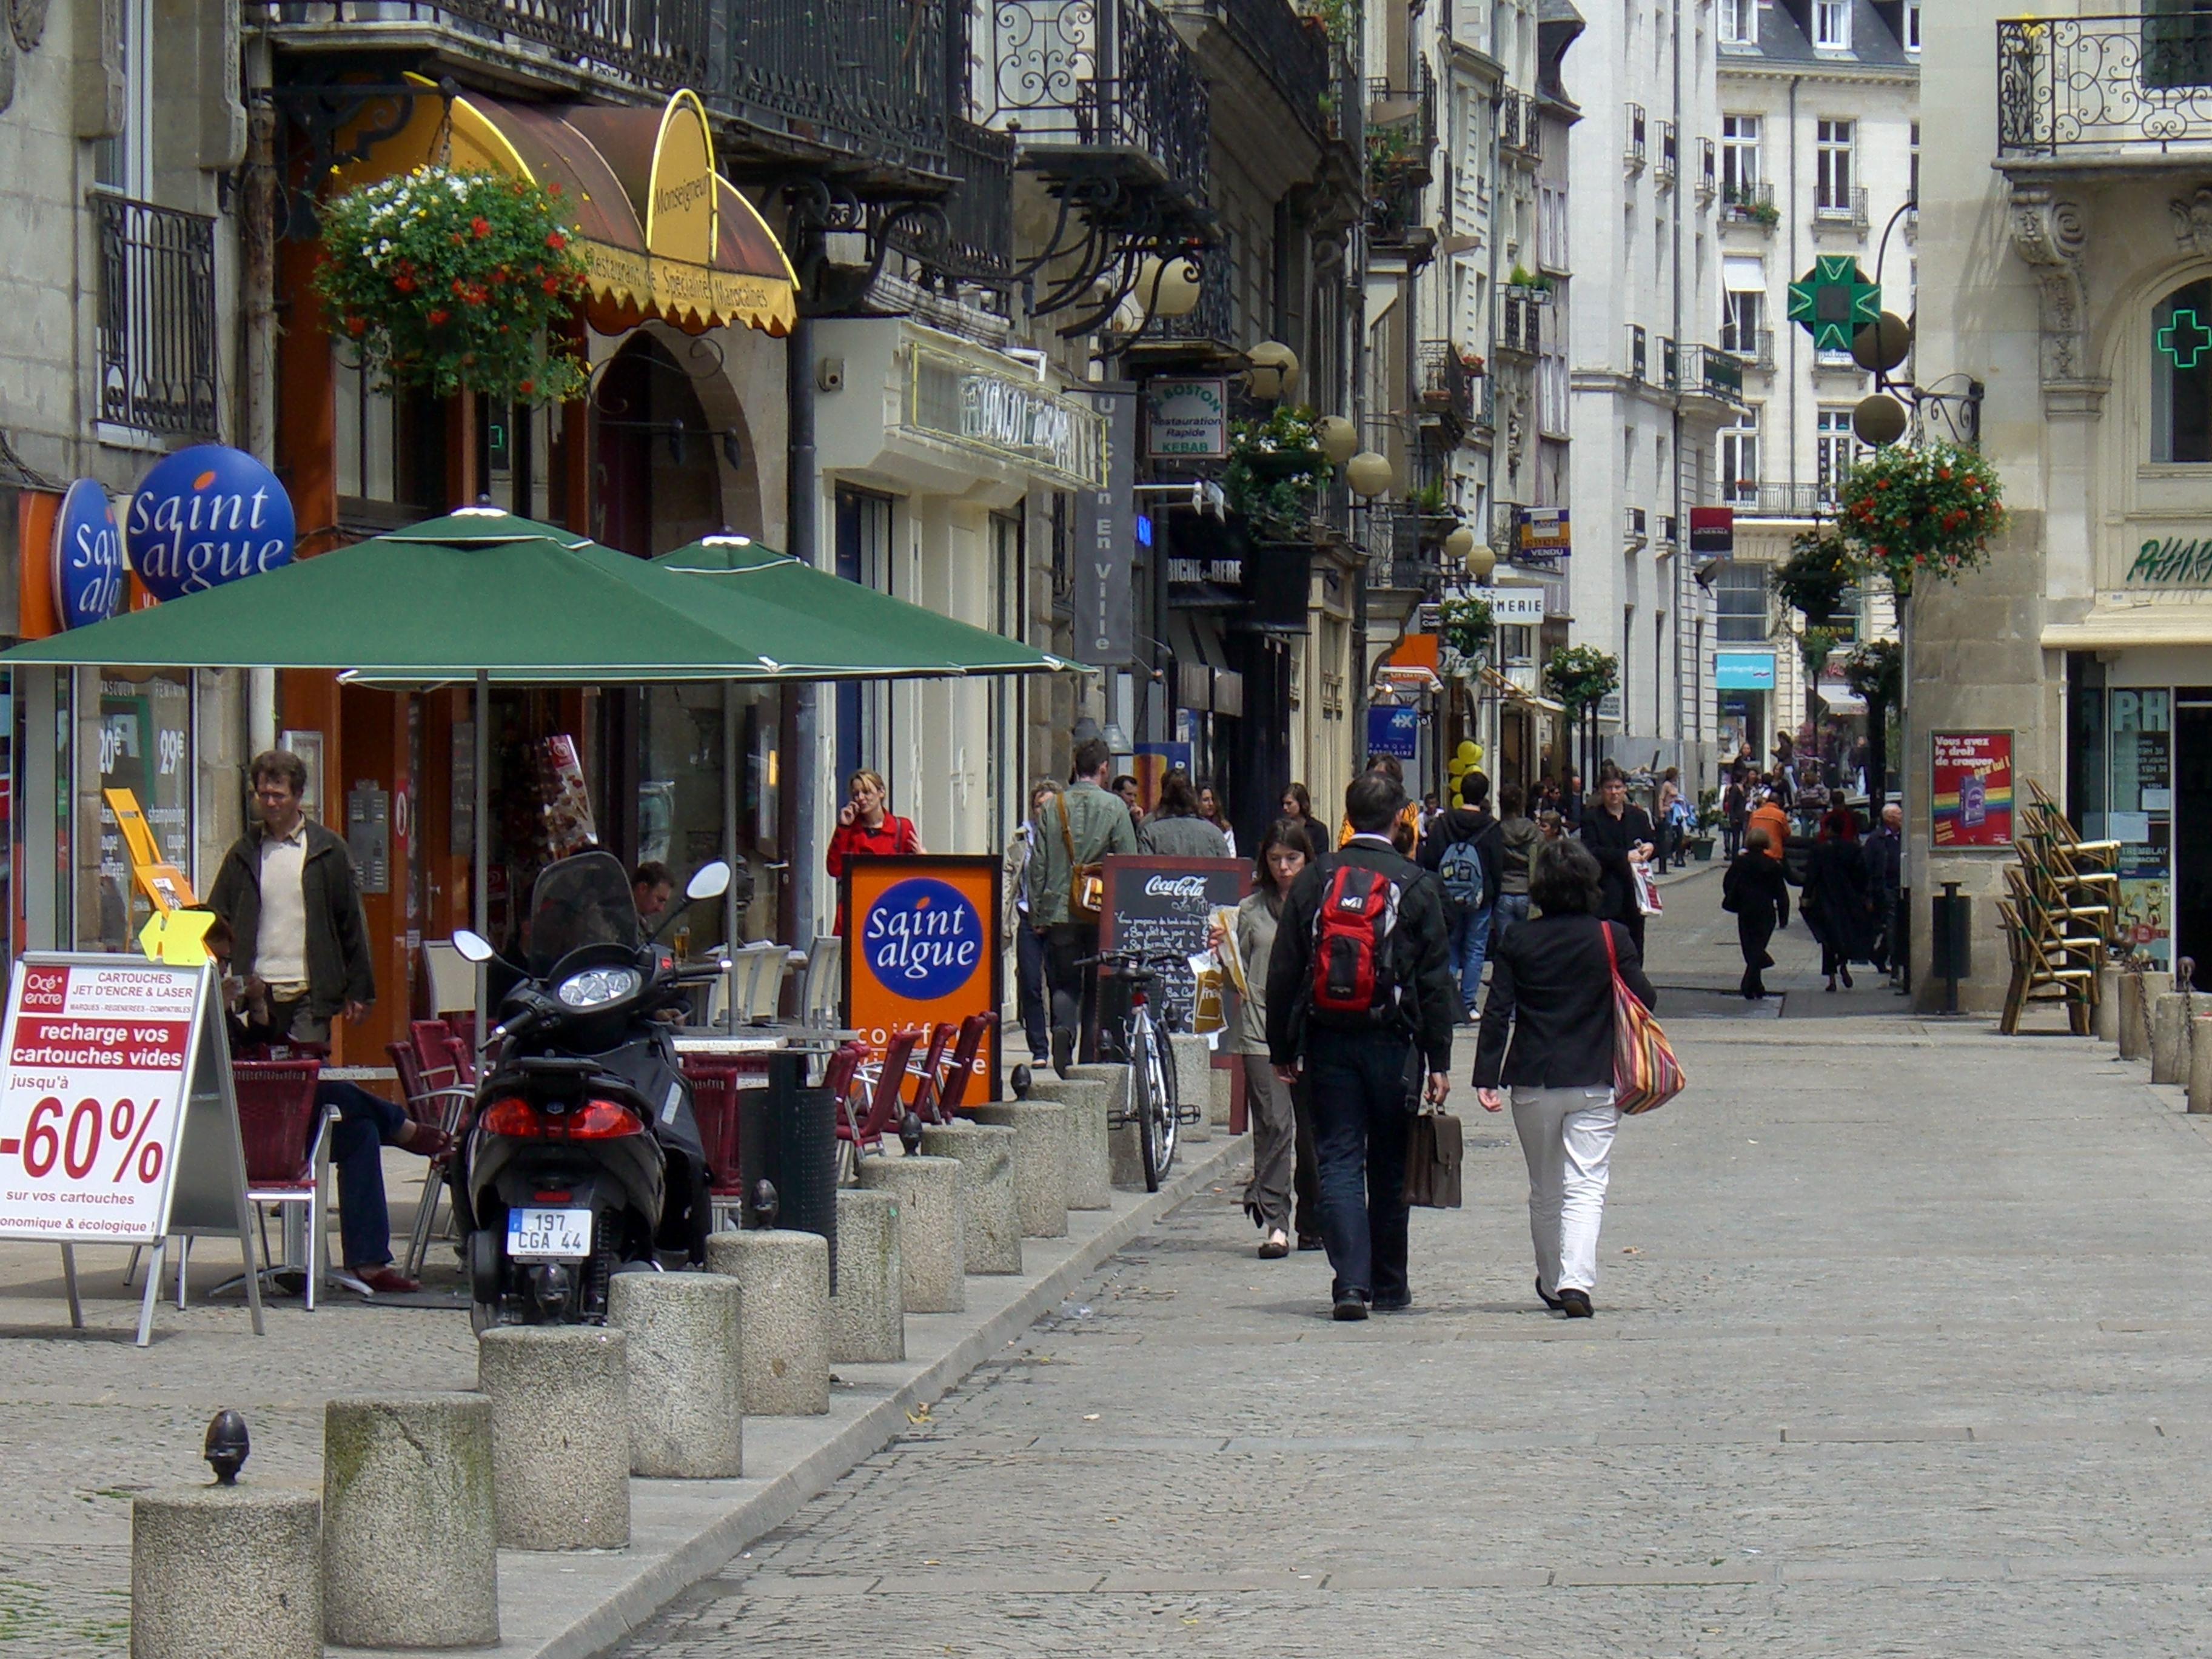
{"x":1512,"y":910}
{"x":1030,"y":992}
{"x":366,"y":1125}
{"x":1361,"y":1113}
{"x":1470,"y":944}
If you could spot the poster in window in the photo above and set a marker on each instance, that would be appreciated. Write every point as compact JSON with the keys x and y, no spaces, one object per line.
{"x":1970,"y":791}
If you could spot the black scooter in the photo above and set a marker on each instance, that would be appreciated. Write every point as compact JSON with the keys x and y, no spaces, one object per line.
{"x":581,"y":1158}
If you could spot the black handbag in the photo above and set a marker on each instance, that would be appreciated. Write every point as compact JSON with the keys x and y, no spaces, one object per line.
{"x":1435,"y":1149}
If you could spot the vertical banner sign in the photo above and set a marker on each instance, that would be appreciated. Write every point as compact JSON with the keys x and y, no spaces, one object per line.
{"x":1970,"y":790}
{"x":118,"y":1122}
{"x":1105,"y":537}
{"x":922,"y":946}
{"x":1393,"y":731}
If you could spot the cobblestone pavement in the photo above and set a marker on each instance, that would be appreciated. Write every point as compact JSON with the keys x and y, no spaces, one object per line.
{"x":1900,"y":1350}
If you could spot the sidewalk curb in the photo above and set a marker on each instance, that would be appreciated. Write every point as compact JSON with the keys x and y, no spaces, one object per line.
{"x":684,"y":1531}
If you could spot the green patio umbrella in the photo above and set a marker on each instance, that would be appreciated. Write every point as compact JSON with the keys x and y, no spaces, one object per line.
{"x":747,"y":575}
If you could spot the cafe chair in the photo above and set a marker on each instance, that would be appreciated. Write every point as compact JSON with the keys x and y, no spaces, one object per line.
{"x":437,"y":1097}
{"x":287,"y":1141}
{"x":821,"y":991}
{"x":453,"y":978}
{"x":945,"y":1087}
{"x":714,"y":1107}
{"x":871,"y":1104}
{"x":766,"y":1000}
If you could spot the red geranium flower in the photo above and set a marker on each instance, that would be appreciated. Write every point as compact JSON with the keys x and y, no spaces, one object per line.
{"x":555,"y":240}
{"x":438,"y":314}
{"x":480,"y":226}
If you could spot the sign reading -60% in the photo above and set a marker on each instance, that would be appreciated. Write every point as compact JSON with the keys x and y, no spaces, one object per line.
{"x":72,"y":1136}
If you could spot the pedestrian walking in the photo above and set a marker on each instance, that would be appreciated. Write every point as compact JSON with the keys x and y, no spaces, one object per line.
{"x":1359,"y":991}
{"x":1405,"y":833}
{"x":1547,"y":1030}
{"x":1620,"y":836}
{"x":1756,"y":892}
{"x":1735,"y":807}
{"x":1174,"y":828}
{"x":1297,"y":803}
{"x":1885,"y":859}
{"x":1836,"y":905}
{"x":1462,"y":848}
{"x":1210,"y":809}
{"x":1017,"y":883}
{"x":1571,"y":804}
{"x":1669,"y":802}
{"x":1275,"y":1107}
{"x":1767,"y":814}
{"x":1518,"y":835}
{"x":1078,"y":829}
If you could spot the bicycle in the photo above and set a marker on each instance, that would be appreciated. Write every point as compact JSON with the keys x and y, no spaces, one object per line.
{"x":1152,"y":1106}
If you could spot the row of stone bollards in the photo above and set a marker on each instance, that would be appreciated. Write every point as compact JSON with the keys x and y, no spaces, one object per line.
{"x":2147,"y":1018}
{"x":420,"y":1491}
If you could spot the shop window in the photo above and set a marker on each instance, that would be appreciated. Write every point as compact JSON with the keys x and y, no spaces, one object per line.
{"x":1837,"y":450}
{"x":1740,"y":602}
{"x":2181,"y":375}
{"x":138,"y":740}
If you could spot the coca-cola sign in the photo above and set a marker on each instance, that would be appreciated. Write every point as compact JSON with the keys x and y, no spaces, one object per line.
{"x":1181,"y":887}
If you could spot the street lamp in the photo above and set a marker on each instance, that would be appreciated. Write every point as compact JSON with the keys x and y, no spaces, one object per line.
{"x":1168,"y":288}
{"x":1370,"y":474}
{"x":1338,"y":437}
{"x":1273,"y":370}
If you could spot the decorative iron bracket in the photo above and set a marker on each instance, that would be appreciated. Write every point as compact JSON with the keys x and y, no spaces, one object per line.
{"x":320,"y":106}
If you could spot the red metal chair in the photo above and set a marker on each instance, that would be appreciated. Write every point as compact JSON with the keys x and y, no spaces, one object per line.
{"x":946,"y":1089}
{"x":870,"y":1108}
{"x":287,"y":1141}
{"x":928,"y":1069}
{"x":440,"y":1106}
{"x":714,"y":1106}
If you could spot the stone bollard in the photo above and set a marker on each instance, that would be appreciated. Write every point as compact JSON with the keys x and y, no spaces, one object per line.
{"x":227,"y":1572}
{"x":1220,"y":1095}
{"x":932,"y":1242}
{"x":1193,"y":1064}
{"x":686,"y":1416}
{"x":1126,"y":1159}
{"x":1089,"y":1166}
{"x":2104,"y":1023}
{"x":990,"y":1218}
{"x":2200,"y":1064}
{"x":1041,"y":1150}
{"x":410,"y":1531}
{"x":2138,"y":993}
{"x":559,"y":1434}
{"x":867,"y":1311}
{"x":2169,"y":1037}
{"x":784,"y":1324}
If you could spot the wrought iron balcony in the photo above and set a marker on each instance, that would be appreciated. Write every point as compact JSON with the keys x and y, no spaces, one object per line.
{"x":1291,"y":54}
{"x":1448,"y":388}
{"x":156,"y":330}
{"x":1212,"y":321}
{"x":1669,"y":156}
{"x":1708,"y":171}
{"x":975,"y":240}
{"x":1847,"y":211}
{"x":1401,"y":130}
{"x":1520,"y":130}
{"x":1754,"y":345}
{"x":1709,"y":371}
{"x":1754,"y":500}
{"x":654,"y":45}
{"x":1072,"y":76}
{"x":1632,"y":151}
{"x":1520,"y":328}
{"x":1749,"y":204}
{"x":2069,"y":85}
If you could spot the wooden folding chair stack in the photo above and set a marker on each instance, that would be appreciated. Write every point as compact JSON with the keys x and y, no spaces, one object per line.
{"x":2060,"y":913}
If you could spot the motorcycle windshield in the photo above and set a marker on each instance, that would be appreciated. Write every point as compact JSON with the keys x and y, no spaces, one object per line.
{"x":583,"y":900}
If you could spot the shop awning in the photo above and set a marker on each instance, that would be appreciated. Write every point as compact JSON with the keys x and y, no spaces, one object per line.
{"x":734,"y":574}
{"x":1841,"y":699}
{"x":1506,"y":687}
{"x":663,"y":233}
{"x":484,"y":591}
{"x":2118,"y":627}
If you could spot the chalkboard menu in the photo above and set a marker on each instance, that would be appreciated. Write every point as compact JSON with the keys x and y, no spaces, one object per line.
{"x":1158,"y":906}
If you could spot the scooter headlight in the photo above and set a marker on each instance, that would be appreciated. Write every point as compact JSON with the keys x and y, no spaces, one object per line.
{"x":595,"y":987}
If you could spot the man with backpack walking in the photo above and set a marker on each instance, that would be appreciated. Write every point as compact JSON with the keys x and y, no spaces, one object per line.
{"x":1462,"y":849}
{"x":1359,"y":984}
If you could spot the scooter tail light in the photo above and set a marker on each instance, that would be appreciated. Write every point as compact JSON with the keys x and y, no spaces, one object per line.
{"x":602,"y":1120}
{"x":514,"y":1116}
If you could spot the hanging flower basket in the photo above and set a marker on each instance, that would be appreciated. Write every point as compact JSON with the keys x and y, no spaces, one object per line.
{"x":1467,"y":625}
{"x":453,"y":281}
{"x":1924,"y":511}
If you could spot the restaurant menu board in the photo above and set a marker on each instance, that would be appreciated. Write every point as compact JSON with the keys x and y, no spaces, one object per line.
{"x":1970,"y":793}
{"x":922,"y":947}
{"x":1162,"y":906}
{"x":2140,"y":819}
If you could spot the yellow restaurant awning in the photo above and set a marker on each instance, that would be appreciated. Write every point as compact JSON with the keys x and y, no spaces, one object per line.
{"x":663,"y":234}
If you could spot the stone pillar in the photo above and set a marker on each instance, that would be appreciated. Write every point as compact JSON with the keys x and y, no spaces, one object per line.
{"x":2169,"y":1037}
{"x":1193,"y":1064}
{"x":1090,"y":1169}
{"x":559,"y":1434}
{"x":410,"y":1532}
{"x":686,"y":1416}
{"x":784,"y":1335}
{"x":1041,"y":1153}
{"x":227,"y":1570}
{"x":2200,"y":1064}
{"x":2137,"y":994}
{"x":867,"y":1311}
{"x":932,"y":1242}
{"x":1220,"y":1094}
{"x":990,"y":1220}
{"x":2104,"y":1023}
{"x":1125,"y":1158}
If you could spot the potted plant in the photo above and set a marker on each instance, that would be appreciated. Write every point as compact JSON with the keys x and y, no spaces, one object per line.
{"x":1275,"y":467}
{"x":1925,"y":511}
{"x":1467,"y":625}
{"x":1703,"y":821}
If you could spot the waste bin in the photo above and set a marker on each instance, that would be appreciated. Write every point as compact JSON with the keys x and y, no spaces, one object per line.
{"x":787,"y":1136}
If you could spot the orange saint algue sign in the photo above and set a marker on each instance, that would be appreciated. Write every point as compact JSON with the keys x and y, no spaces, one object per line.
{"x":921,"y":946}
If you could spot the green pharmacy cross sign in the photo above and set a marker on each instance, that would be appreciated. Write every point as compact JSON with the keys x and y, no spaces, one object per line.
{"x":2184,"y":339}
{"x":1834,"y":300}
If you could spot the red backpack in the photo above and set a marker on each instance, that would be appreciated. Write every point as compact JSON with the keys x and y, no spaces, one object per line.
{"x":1354,"y":930}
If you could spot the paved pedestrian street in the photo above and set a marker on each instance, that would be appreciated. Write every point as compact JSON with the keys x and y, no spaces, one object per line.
{"x":1900,"y":1349}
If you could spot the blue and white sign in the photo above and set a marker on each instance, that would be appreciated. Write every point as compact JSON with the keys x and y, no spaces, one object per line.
{"x":1744,"y":670}
{"x":1393,"y":732}
{"x":205,"y":516}
{"x":87,"y":557}
{"x":922,"y":938}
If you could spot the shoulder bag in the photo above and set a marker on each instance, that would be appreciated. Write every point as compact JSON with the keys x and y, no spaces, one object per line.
{"x":1646,"y":1073}
{"x":1086,"y":882}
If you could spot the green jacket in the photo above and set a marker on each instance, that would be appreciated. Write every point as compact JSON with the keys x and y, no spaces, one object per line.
{"x":1097,"y":823}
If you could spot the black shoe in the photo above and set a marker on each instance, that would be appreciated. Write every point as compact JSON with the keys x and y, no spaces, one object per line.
{"x":1546,"y":1297}
{"x":1847,"y":978}
{"x":1397,"y":1303}
{"x":1350,"y":1305}
{"x":1312,"y":1242}
{"x":1576,"y":1304}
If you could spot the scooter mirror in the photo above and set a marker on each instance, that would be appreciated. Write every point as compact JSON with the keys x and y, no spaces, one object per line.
{"x":473,"y":947}
{"x":708,"y":881}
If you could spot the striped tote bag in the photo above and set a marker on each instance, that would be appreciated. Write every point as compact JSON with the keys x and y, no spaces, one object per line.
{"x":1646,"y":1073}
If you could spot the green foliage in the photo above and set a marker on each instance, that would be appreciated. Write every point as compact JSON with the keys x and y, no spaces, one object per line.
{"x":1466,"y":624}
{"x":1709,"y":810}
{"x":1812,"y":580}
{"x":1813,"y":645}
{"x":451,"y":280}
{"x":1428,"y":499}
{"x":1275,"y":467}
{"x":1876,"y":671}
{"x":1581,"y":676}
{"x":1338,"y":18}
{"x":1924,"y":511}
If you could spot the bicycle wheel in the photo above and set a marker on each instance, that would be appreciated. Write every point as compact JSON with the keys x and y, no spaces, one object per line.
{"x":1141,"y":1108}
{"x":1160,"y":1119}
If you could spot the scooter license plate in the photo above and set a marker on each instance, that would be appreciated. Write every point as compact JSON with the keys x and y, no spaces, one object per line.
{"x":549,"y":1235}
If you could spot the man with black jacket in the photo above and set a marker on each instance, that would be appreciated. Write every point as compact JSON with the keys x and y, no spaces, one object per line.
{"x":1360,"y":1068}
{"x":1619,"y":834}
{"x":1468,"y":917}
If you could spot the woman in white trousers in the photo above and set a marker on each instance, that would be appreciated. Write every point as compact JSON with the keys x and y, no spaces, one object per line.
{"x":1548,"y":1036}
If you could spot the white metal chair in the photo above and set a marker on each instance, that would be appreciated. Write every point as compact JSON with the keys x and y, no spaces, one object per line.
{"x":734,"y":989}
{"x":821,"y":992}
{"x":766,"y":995}
{"x":453,"y":978}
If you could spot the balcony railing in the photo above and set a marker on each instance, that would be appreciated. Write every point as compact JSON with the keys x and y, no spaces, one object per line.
{"x":979,"y":211}
{"x":1520,"y":324}
{"x":1669,"y":156}
{"x":1633,"y":153}
{"x":1638,"y":352}
{"x":1082,"y":74}
{"x":1708,"y":171}
{"x":1670,"y":364}
{"x":868,"y":76}
{"x":656,"y":44}
{"x":1847,"y":208}
{"x":1447,"y":387}
{"x":1292,"y":56}
{"x":1214,"y":317}
{"x":1713,"y":373}
{"x":1754,"y":345}
{"x":1754,"y":500}
{"x":156,"y":330}
{"x":1519,"y":127}
{"x":1635,"y":529}
{"x":1402,"y":129}
{"x":2113,"y":82}
{"x":1749,"y":204}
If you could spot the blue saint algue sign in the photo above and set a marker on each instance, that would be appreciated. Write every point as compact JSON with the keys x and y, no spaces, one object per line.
{"x":1393,"y":732}
{"x":87,"y":557}
{"x":922,"y":938}
{"x":205,"y":516}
